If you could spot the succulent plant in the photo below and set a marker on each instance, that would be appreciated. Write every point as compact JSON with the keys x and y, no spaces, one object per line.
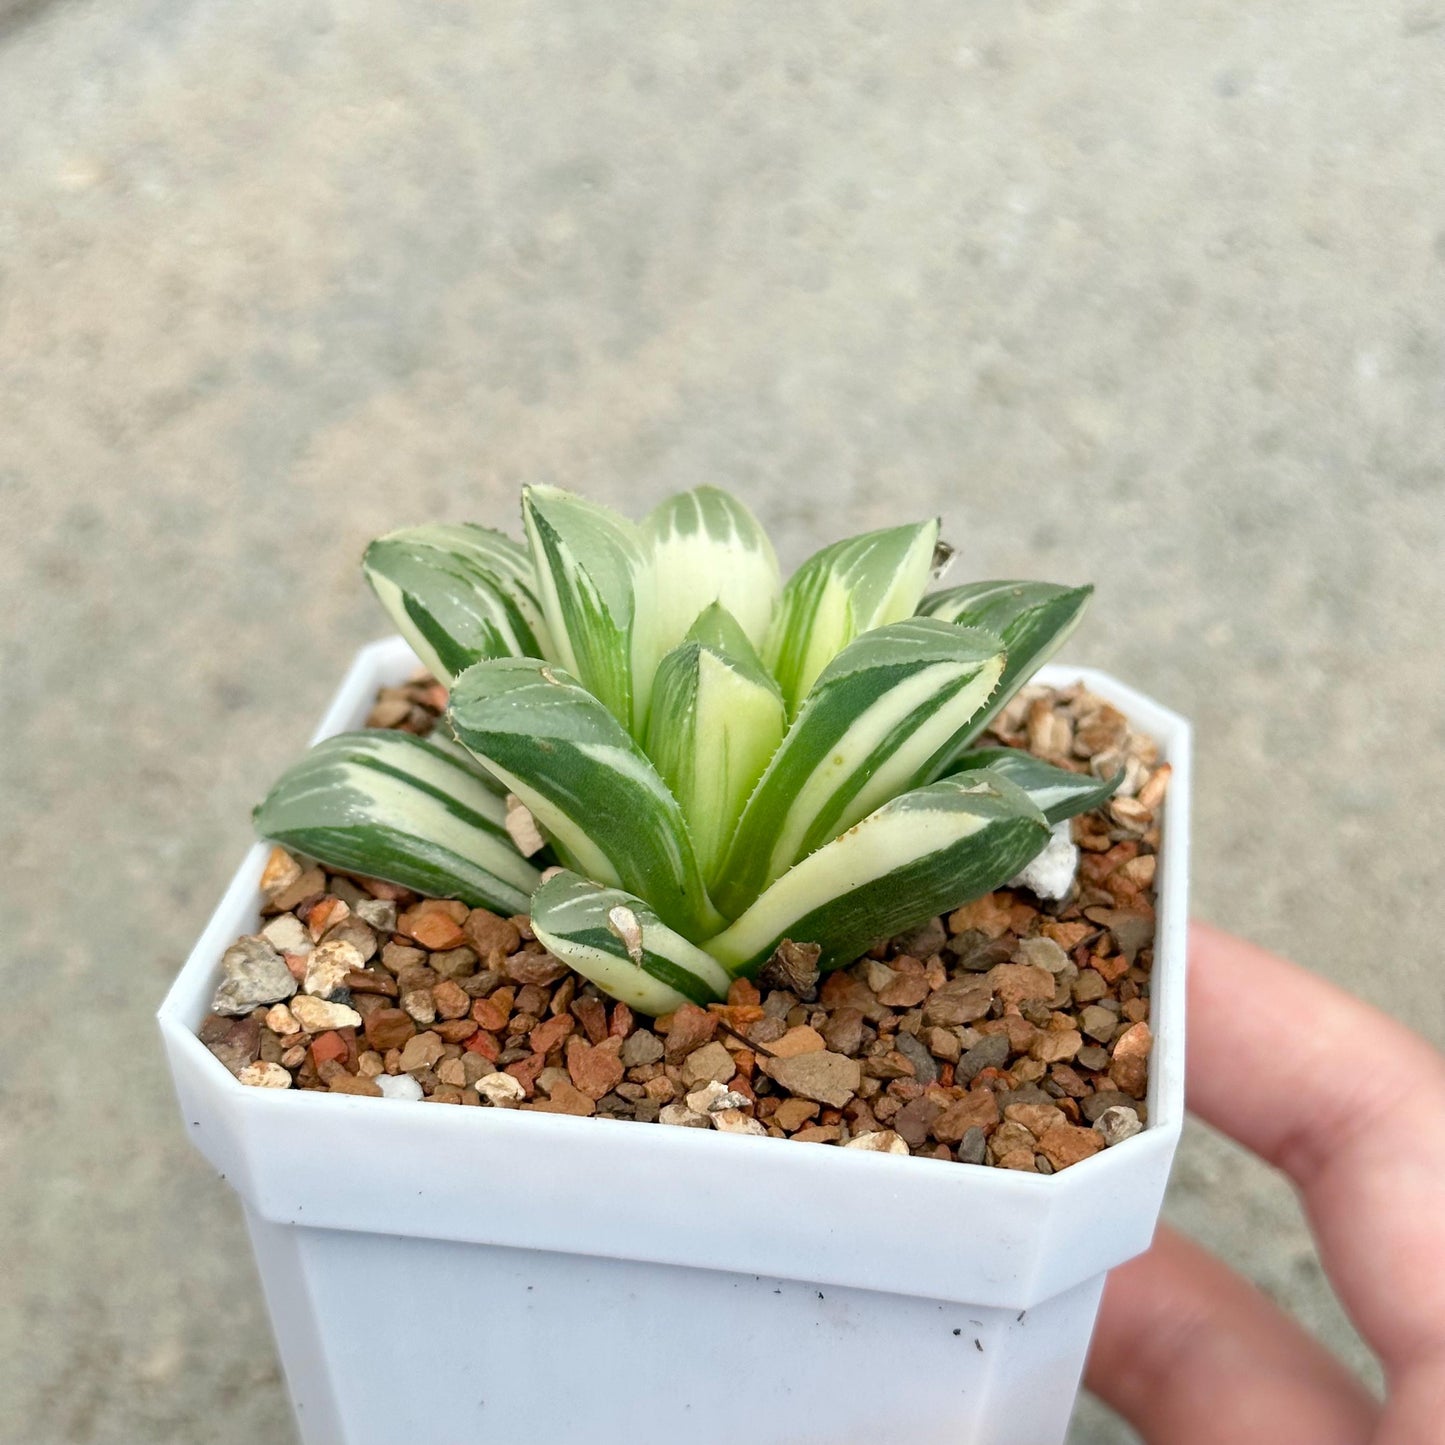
{"x":713,"y":762}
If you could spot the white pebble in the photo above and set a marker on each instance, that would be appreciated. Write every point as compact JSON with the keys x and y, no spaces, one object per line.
{"x":280,"y":1020}
{"x":328,"y":965}
{"x":683,"y":1117}
{"x":1051,"y":874}
{"x":500,"y":1088}
{"x":265,"y":1076}
{"x":287,"y":934}
{"x":1118,"y":1124}
{"x":881,"y":1141}
{"x":314,"y":1014}
{"x":398,"y":1086}
{"x":734,"y":1121}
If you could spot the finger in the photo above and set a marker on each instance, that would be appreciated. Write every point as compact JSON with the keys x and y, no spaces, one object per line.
{"x":1351,"y":1105}
{"x":1189,"y":1353}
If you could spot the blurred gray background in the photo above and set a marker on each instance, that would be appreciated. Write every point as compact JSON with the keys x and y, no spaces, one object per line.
{"x":1148,"y":295}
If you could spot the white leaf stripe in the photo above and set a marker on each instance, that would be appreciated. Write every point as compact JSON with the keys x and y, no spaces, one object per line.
{"x":919,"y":855}
{"x":588,"y":562}
{"x":868,"y":731}
{"x":458,"y":593}
{"x":716,"y":720}
{"x":1056,"y":792}
{"x":1033,"y":618}
{"x":570,"y":916}
{"x":585,"y":781}
{"x":390,"y":806}
{"x":841,"y":592}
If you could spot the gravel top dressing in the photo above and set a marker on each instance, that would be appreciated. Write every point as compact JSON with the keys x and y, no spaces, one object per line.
{"x":1013,"y":1032}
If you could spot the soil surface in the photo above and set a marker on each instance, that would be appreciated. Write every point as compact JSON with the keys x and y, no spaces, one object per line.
{"x":1013,"y":1032}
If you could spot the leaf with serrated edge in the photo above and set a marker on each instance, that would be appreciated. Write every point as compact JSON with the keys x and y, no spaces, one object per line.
{"x":1033,"y":618}
{"x":588,"y":785}
{"x":1057,"y":793}
{"x":588,"y":561}
{"x":616,"y":940}
{"x":459,"y":593}
{"x":868,"y":731}
{"x":387,"y":805}
{"x":842,"y":592}
{"x":704,"y":547}
{"x":716,"y":720}
{"x":920,"y":855}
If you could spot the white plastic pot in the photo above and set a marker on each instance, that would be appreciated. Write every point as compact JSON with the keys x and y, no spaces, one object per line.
{"x":485,"y":1275}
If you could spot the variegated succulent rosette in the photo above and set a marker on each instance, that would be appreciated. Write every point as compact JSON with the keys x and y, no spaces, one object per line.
{"x":714,"y":762}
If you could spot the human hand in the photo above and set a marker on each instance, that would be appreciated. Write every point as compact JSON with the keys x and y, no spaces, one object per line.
{"x":1188,"y":1351}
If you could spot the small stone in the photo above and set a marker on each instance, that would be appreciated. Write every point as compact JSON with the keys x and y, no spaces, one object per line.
{"x":1067,"y":1144}
{"x":539,"y":969}
{"x":1038,"y":1119}
{"x":388,"y":1028}
{"x":1056,"y":1046}
{"x":305,"y":885}
{"x":591,"y":1013}
{"x":881,"y":1141}
{"x":1016,"y":983}
{"x":450,"y":1071}
{"x":915,"y":1119}
{"x":325,"y":912}
{"x":596,"y":1069}
{"x":1042,"y":953}
{"x":449,"y":1000}
{"x":683,"y":1117}
{"x":328,"y":965}
{"x":973,"y":1147}
{"x":500,"y":1089}
{"x":961,"y":1001}
{"x":641,"y":1047}
{"x":280,"y":872}
{"x":377,"y":913}
{"x":1129,"y":1066}
{"x":1051,"y":872}
{"x":734,"y":1121}
{"x":1093,"y":1056}
{"x":691,"y":1028}
{"x":422,"y":1051}
{"x":1116,"y":1124}
{"x":398,"y":1086}
{"x":552,"y":1033}
{"x":253,"y":973}
{"x":420,"y":1005}
{"x":988,"y":915}
{"x":792,"y":1114}
{"x":493,"y":938}
{"x":819,"y":1134}
{"x":794,"y":967}
{"x":287,"y":934}
{"x":710,"y":1062}
{"x":564,"y":1099}
{"x":942,"y":1044}
{"x":712,"y":1094}
{"x":454,"y":963}
{"x":1098,"y":1023}
{"x":910,"y":985}
{"x":800,"y":1040}
{"x":991,"y":1052}
{"x":925,"y":1066}
{"x":843,"y":1032}
{"x":877,"y":975}
{"x":923,"y":941}
{"x":344,"y":1083}
{"x":265,"y":1076}
{"x":434,"y":923}
{"x":977,"y":1109}
{"x":281,"y":1021}
{"x":315,"y":1014}
{"x":827,"y":1077}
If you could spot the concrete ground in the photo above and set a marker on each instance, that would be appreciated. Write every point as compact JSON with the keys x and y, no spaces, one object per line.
{"x":1147,"y":295}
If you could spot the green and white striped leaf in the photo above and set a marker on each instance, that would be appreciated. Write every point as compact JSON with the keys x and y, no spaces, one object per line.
{"x":1033,"y":618}
{"x":458,"y":593}
{"x":919,"y":855}
{"x":705,"y":546}
{"x":717,"y":718}
{"x":1056,"y":792}
{"x":588,"y":563}
{"x":842,"y":592}
{"x":868,"y":731}
{"x":387,"y":805}
{"x":618,"y":941}
{"x":587,"y":784}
